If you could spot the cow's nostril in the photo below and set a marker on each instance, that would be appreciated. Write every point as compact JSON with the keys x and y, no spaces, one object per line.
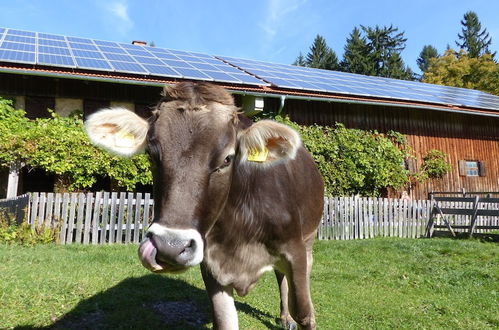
{"x":149,"y":234}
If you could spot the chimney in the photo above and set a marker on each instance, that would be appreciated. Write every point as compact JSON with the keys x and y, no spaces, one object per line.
{"x":139,"y":43}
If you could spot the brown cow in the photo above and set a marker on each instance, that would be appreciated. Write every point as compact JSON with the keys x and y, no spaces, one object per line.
{"x":238,"y":197}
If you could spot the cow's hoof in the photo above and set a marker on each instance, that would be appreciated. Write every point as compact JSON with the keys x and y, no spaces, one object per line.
{"x":288,"y":323}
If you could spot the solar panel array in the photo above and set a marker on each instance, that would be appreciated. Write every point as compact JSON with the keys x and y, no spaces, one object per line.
{"x":72,"y":52}
{"x":296,"y":77}
{"x":82,"y":53}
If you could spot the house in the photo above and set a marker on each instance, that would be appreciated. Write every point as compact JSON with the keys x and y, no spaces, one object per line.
{"x":40,"y":71}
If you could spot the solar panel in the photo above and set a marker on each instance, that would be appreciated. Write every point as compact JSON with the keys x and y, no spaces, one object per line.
{"x":118,"y":57}
{"x":91,"y":63}
{"x":17,"y":56}
{"x":50,"y":59}
{"x":18,"y":46}
{"x":114,"y":50}
{"x":16,"y":38}
{"x":162,"y":70}
{"x":127,"y":67}
{"x":85,"y":53}
{"x":293,"y":77}
{"x":54,"y":43}
{"x":55,"y":50}
{"x":51,"y":36}
{"x":76,"y":45}
{"x":80,"y":40}
{"x":21,"y":33}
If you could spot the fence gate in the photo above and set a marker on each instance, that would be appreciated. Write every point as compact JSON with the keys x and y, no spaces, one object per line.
{"x":14,"y":210}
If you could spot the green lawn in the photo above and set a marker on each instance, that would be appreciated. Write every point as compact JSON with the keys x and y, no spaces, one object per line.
{"x":369,"y":284}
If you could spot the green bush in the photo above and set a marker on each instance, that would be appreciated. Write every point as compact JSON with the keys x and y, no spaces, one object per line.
{"x":354,"y":161}
{"x":435,"y":165}
{"x":26,"y":234}
{"x":60,"y":146}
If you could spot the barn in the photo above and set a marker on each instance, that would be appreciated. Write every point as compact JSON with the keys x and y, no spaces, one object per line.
{"x":41,"y":71}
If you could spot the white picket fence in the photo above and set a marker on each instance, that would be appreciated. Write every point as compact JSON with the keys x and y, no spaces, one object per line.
{"x":93,"y":218}
{"x":103,"y":217}
{"x":368,"y":217}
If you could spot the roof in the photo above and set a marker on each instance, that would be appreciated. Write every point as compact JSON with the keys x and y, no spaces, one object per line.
{"x":37,"y":53}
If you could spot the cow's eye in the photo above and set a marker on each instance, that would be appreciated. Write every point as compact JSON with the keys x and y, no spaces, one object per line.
{"x":227,"y":161}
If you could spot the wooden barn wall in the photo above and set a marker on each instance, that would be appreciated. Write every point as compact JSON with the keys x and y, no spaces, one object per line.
{"x":23,"y":85}
{"x":463,"y":137}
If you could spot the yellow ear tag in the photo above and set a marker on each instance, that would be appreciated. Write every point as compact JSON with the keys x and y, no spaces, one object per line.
{"x":124,"y":139}
{"x":256,"y":155}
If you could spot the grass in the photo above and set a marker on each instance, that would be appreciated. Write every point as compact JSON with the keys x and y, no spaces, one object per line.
{"x":365,"y":284}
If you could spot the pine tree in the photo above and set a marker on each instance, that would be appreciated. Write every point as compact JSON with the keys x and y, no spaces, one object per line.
{"x":320,"y":56}
{"x":385,"y":45}
{"x":300,"y":60}
{"x":472,"y":38}
{"x":355,"y":56}
{"x":426,"y":54}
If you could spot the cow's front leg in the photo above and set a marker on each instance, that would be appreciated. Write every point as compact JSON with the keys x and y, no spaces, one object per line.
{"x":222,"y":302}
{"x":286,"y":320}
{"x":297,"y":265}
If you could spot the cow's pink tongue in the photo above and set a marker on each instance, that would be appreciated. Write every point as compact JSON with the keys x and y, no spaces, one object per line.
{"x":147,"y":255}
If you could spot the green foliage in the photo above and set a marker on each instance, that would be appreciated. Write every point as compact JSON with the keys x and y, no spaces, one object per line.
{"x":384,"y":47}
{"x":425,"y":56}
{"x":59,"y":145}
{"x":461,"y":70}
{"x":354,"y":161}
{"x":320,"y":56}
{"x":300,"y":60}
{"x":356,"y":52}
{"x":26,"y":234}
{"x":472,"y":38}
{"x":435,"y":165}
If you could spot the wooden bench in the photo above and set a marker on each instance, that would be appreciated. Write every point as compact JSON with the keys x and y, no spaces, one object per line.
{"x":474,"y":207}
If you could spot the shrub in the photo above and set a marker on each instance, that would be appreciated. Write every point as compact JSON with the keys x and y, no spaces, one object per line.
{"x":354,"y":161}
{"x":26,"y":234}
{"x":60,"y":146}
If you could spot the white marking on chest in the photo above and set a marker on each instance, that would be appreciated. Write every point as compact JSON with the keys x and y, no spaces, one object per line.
{"x":240,"y":268}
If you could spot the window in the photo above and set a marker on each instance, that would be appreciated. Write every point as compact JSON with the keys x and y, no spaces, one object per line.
{"x":472,"y":168}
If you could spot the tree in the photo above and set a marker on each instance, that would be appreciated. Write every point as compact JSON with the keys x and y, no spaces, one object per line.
{"x":320,"y":56}
{"x":426,"y":54}
{"x":60,"y":146}
{"x":385,"y":45}
{"x":355,"y":56}
{"x":462,"y":70}
{"x":472,"y":38}
{"x":300,"y":60}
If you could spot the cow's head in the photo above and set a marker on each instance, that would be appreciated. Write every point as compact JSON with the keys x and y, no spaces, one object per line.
{"x":195,"y":138}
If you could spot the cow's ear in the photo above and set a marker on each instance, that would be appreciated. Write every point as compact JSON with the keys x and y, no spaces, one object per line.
{"x":118,"y":130}
{"x":268,"y":141}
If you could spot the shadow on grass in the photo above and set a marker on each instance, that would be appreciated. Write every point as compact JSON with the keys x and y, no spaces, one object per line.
{"x":259,"y":315}
{"x":151,"y":301}
{"x":483,"y":237}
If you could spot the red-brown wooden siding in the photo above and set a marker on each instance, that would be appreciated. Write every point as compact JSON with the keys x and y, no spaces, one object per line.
{"x":463,"y":137}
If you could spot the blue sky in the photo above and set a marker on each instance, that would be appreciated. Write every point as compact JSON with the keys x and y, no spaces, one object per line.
{"x":267,"y":30}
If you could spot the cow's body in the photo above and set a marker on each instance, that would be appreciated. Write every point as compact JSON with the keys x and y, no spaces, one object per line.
{"x":240,"y":217}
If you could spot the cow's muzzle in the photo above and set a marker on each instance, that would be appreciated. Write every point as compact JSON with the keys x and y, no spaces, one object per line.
{"x":170,"y":250}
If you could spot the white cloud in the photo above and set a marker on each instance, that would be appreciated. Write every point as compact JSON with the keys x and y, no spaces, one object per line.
{"x":118,"y":16}
{"x":279,"y":15}
{"x":278,"y":12}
